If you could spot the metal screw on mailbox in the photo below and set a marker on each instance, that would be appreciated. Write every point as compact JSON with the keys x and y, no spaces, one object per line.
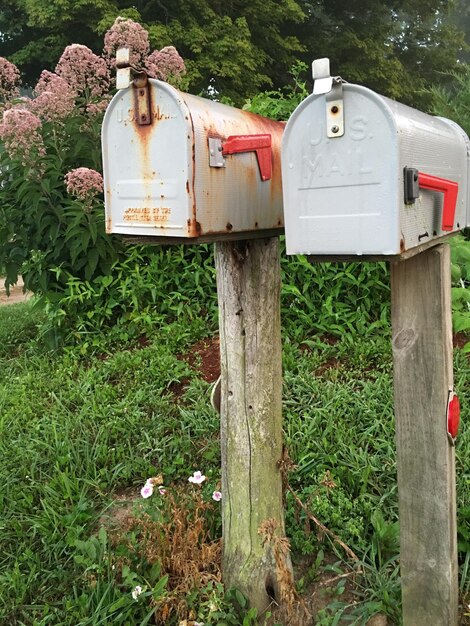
{"x":334,"y":109}
{"x":335,"y":129}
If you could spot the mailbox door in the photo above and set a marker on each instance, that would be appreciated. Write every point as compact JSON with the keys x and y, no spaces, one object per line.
{"x":148,"y":169}
{"x":341,"y":194}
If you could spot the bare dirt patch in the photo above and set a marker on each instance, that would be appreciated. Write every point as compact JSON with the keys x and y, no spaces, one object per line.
{"x":331,"y":363}
{"x":16,"y":293}
{"x":460,"y":339}
{"x":204,"y":356}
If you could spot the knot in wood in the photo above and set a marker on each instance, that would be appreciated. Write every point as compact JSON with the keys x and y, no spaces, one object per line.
{"x":404,"y":339}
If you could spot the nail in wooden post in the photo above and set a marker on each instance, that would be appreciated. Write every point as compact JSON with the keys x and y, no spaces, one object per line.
{"x":423,"y":376}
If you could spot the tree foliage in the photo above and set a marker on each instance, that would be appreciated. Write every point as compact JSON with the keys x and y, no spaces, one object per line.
{"x":397,"y":47}
{"x":454,"y":101}
{"x":234,"y":48}
{"x":237,"y":48}
{"x":460,"y":16}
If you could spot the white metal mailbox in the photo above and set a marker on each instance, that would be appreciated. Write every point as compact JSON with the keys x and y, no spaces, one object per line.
{"x":364,"y":175}
{"x":180,"y":167}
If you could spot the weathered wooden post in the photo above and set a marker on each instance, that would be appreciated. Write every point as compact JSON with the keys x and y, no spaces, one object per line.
{"x":367,"y":178}
{"x":248,"y":285}
{"x":423,"y":379}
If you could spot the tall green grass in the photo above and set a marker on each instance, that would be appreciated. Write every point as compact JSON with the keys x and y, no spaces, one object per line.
{"x":77,"y":432}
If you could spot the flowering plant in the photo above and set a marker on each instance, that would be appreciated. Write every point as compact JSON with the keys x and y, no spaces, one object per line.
{"x":179,"y":535}
{"x":52,"y":227}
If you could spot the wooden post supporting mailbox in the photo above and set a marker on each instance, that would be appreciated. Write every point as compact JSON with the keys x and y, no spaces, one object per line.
{"x":248,"y":286}
{"x":423,"y":377}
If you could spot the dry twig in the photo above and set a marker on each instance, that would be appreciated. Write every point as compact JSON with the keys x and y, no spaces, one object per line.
{"x":339,"y":577}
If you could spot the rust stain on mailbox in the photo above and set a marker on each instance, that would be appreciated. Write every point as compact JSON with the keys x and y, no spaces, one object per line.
{"x":164,"y":183}
{"x":244,"y":171}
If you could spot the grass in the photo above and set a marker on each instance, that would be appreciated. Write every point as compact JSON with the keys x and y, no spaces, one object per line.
{"x":79,"y":433}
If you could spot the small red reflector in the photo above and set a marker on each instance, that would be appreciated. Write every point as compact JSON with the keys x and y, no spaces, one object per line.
{"x":453,"y":415}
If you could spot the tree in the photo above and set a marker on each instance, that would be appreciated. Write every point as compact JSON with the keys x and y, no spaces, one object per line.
{"x":234,"y":48}
{"x":454,"y":101}
{"x":459,"y":15}
{"x":34,"y":36}
{"x":238,"y":48}
{"x":398,"y":48}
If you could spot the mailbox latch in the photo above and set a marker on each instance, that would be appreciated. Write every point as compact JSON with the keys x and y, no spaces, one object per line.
{"x":332,"y":87}
{"x":261,"y":144}
{"x":415,"y":180}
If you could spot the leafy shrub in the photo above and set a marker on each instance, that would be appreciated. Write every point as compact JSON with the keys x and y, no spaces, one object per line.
{"x":334,"y":298}
{"x":460,"y":250}
{"x":142,"y":290}
{"x":280,"y":104}
{"x":51,"y":205}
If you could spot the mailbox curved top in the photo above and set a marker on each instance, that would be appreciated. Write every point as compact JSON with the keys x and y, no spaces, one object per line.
{"x":344,"y":195}
{"x":181,"y":167}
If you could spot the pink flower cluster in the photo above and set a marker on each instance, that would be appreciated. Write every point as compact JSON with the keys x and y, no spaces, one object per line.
{"x":84,"y":183}
{"x":55,"y":99}
{"x":95,"y":108}
{"x":125,"y":33}
{"x":85,"y":73}
{"x":165,"y":63}
{"x":19,"y":131}
{"x":9,"y":80}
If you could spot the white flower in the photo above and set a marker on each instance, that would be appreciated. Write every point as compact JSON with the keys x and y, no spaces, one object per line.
{"x":197,"y":478}
{"x":147,"y":490}
{"x":136,"y":592}
{"x":217,"y":496}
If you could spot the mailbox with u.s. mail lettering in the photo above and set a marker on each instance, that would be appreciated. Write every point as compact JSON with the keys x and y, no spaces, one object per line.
{"x":364,"y":175}
{"x":179,"y":167}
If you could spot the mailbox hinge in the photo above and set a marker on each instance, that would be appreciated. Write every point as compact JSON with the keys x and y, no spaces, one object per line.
{"x":261,"y":144}
{"x":143,"y":111}
{"x":332,"y":87}
{"x":126,"y":75}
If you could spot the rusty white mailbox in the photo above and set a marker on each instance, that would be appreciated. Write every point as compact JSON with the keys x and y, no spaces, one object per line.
{"x":364,"y":175}
{"x":183,"y":168}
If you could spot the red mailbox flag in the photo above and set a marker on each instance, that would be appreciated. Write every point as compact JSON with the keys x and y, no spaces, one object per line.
{"x":450,"y":190}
